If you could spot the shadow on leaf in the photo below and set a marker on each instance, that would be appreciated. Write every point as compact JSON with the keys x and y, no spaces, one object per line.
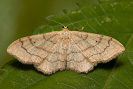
{"x":109,"y":65}
{"x":25,"y":67}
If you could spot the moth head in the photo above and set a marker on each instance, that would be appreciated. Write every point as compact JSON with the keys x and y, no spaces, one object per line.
{"x":65,"y":27}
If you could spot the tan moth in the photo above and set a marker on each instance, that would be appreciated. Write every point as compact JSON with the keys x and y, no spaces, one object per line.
{"x":59,"y":50}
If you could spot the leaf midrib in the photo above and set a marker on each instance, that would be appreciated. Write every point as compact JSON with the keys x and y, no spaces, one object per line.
{"x":107,"y":81}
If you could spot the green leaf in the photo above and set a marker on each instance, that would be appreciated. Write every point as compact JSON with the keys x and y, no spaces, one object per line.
{"x":108,"y":17}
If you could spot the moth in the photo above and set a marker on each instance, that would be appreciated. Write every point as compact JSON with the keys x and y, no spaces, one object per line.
{"x":65,"y":49}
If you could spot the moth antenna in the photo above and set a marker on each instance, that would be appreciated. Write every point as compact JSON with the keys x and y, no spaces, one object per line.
{"x":76,"y":22}
{"x":56,"y":22}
